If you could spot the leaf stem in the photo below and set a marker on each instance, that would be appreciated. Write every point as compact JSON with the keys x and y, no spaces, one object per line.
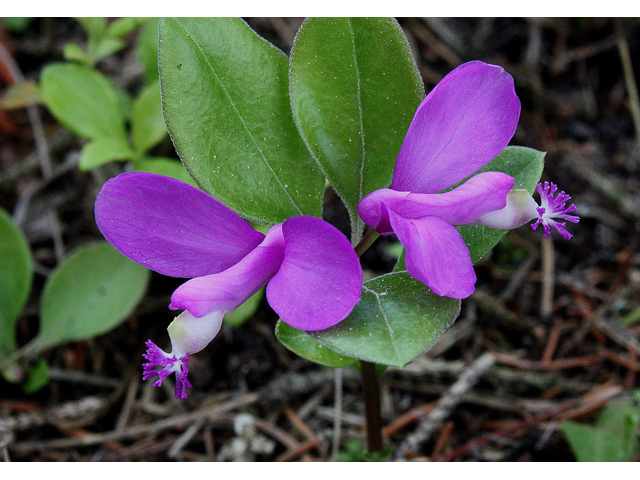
{"x":371,"y":389}
{"x":369,"y":237}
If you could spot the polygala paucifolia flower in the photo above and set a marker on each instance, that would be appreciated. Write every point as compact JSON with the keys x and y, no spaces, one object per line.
{"x":465,"y":121}
{"x":312,"y":274}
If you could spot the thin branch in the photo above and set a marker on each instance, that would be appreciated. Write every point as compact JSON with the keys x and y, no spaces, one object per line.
{"x":445,"y":406}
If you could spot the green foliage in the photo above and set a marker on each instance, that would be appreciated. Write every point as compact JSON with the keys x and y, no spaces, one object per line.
{"x":15,"y":280}
{"x":102,"y":39}
{"x":397,"y":319}
{"x":37,"y":377}
{"x":147,"y":123}
{"x":16,"y":24}
{"x":147,"y":49}
{"x":117,"y":127}
{"x":104,"y":150}
{"x":356,"y":452}
{"x":164,"y":166}
{"x":303,"y":345}
{"x":354,"y":90}
{"x":225,"y":97}
{"x":613,"y":438}
{"x":89,"y":293}
{"x":83,"y":100}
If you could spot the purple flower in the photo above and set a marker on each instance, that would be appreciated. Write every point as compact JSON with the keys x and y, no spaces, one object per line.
{"x":464,"y":122}
{"x":312,"y":273}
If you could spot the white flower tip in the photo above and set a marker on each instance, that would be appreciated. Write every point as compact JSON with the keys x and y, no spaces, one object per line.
{"x":520,"y":209}
{"x":190,"y":334}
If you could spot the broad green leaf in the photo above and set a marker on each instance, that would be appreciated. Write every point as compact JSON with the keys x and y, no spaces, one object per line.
{"x":397,"y":319}
{"x":147,"y":49}
{"x":147,"y":122}
{"x":303,"y":345}
{"x":88,"y":294}
{"x":245,"y":311}
{"x":525,"y":166}
{"x":15,"y":280}
{"x":354,"y":90}
{"x":169,"y":167}
{"x":226,"y":103}
{"x":104,"y":150}
{"x":612,"y":439}
{"x":82,"y":100}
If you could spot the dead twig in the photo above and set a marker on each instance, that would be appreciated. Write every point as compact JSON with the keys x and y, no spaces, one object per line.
{"x":629,"y":78}
{"x":211,"y":413}
{"x":566,"y":410}
{"x":445,"y":405}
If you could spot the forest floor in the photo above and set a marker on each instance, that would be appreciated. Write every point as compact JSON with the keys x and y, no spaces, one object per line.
{"x":545,"y":328}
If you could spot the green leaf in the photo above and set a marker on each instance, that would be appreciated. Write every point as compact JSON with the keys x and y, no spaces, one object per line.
{"x":245,"y":311}
{"x":397,"y":319}
{"x":147,"y":49}
{"x":37,"y":377}
{"x":354,"y":90}
{"x":169,"y":167}
{"x":612,"y":439}
{"x":147,"y":122}
{"x":106,"y":47}
{"x":104,"y":150}
{"x":300,"y":343}
{"x":525,"y":166}
{"x":83,"y":100}
{"x":94,"y":27}
{"x":89,"y":293}
{"x":124,"y":26}
{"x":125,"y":103}
{"x":74,"y":53}
{"x":16,"y":24}
{"x":356,"y":452}
{"x":15,"y":280}
{"x":226,"y":104}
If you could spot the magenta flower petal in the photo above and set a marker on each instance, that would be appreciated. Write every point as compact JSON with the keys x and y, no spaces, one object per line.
{"x":227,"y":290}
{"x":171,"y":227}
{"x":464,"y":122}
{"x":436,"y":255}
{"x":320,"y":279}
{"x":464,"y":205}
{"x":374,"y":208}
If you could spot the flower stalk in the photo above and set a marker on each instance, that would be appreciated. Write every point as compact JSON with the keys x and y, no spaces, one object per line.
{"x":371,"y":390}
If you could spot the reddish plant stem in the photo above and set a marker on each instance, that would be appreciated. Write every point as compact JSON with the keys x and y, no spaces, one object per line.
{"x":371,"y":389}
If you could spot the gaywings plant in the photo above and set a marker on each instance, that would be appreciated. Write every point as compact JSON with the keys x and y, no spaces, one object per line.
{"x":261,"y":133}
